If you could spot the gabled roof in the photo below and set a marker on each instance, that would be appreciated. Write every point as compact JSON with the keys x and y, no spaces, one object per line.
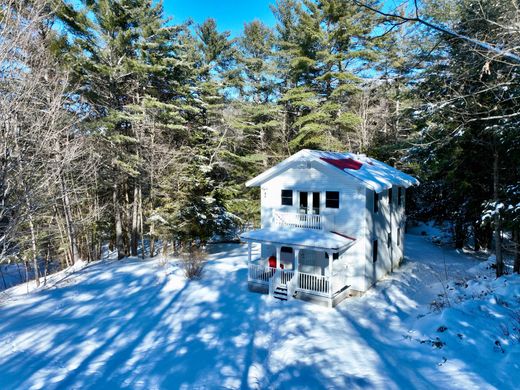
{"x":370,"y":172}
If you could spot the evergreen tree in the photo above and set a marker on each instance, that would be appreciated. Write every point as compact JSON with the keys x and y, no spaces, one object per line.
{"x":324,"y":46}
{"x":123,"y":57}
{"x":469,"y":123}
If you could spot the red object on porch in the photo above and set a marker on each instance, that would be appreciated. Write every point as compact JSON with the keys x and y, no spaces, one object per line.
{"x":343,"y":163}
{"x":272,"y":262}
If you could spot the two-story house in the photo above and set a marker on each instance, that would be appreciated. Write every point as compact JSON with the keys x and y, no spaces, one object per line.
{"x":332,"y":224}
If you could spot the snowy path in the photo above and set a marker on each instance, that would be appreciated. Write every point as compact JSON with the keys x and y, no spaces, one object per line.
{"x":135,"y":324}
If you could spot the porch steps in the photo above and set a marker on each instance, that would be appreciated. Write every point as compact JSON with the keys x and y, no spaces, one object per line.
{"x":280,"y":292}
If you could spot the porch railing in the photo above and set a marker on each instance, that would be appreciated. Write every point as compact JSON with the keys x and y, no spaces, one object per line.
{"x":309,"y":283}
{"x":308,"y":221}
{"x":314,"y":284}
{"x":286,"y":276}
{"x":260,"y":273}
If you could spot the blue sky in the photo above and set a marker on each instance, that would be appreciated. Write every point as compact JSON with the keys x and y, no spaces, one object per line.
{"x":229,"y":14}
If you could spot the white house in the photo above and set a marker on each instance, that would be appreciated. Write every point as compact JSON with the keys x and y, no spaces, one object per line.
{"x":332,"y":225}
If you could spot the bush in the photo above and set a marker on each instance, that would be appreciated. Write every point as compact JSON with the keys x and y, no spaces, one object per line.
{"x":193,"y":262}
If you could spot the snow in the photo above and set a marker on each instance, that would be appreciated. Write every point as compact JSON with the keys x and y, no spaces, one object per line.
{"x":374,"y":174}
{"x":139,"y":324}
{"x":310,"y":238}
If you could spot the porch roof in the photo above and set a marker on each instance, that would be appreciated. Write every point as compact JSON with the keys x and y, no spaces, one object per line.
{"x":300,"y":238}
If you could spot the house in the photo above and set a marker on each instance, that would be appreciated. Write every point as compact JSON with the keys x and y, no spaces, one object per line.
{"x":332,"y":224}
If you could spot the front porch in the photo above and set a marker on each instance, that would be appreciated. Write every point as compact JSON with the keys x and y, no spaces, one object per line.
{"x":299,"y":263}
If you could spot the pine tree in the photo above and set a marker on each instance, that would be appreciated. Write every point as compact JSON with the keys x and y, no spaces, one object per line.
{"x":324,"y":46}
{"x":124,"y":57}
{"x":468,"y":121}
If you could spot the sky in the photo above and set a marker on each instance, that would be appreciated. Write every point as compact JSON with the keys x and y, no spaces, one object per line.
{"x":229,"y":14}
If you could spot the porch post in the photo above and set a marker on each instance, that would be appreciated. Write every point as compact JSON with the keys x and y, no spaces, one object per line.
{"x":249,"y":252}
{"x":297,"y":266}
{"x":331,"y":259}
{"x":278,"y":254}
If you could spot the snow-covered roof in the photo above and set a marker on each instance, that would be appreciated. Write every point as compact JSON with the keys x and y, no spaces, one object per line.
{"x":372,"y":173}
{"x":299,"y":237}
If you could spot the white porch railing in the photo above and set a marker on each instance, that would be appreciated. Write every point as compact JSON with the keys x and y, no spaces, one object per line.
{"x":260,"y":273}
{"x":309,"y":283}
{"x":308,"y":221}
{"x":286,"y":276}
{"x":314,"y":284}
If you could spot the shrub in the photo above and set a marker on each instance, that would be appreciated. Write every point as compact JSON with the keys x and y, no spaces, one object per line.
{"x":193,"y":262}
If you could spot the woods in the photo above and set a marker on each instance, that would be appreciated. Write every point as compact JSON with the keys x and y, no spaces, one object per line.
{"x":120,"y":126}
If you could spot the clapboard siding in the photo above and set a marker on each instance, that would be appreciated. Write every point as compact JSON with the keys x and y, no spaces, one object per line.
{"x":346,"y":220}
{"x":388,"y":219}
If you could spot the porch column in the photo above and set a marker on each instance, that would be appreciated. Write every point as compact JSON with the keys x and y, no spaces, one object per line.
{"x":297,"y":266}
{"x":249,"y":244}
{"x":278,"y":254}
{"x":331,"y":259}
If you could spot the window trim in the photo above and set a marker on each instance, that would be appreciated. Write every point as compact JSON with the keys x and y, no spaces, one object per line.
{"x":287,"y":198}
{"x":327,"y":200}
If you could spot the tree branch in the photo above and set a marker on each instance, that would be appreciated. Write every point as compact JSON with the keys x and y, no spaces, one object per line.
{"x":442,"y":29}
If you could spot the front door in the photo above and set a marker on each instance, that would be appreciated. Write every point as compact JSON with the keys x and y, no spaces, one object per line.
{"x":309,"y":202}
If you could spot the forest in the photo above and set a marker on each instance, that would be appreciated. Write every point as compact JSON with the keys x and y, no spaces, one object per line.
{"x":120,"y":126}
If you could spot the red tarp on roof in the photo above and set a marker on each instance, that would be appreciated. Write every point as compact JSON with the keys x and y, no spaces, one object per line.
{"x":343,"y":163}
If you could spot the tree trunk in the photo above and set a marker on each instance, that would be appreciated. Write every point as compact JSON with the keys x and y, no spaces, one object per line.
{"x":134,"y":235}
{"x":118,"y":225}
{"x":33,"y":241}
{"x":71,"y":231}
{"x":516,"y":248}
{"x":497,"y":220}
{"x":477,"y":234}
{"x":459,"y":235}
{"x":152,"y":240}
{"x":141,"y":221}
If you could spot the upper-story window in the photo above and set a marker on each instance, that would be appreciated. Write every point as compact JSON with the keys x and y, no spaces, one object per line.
{"x":332,"y":199}
{"x":376,"y":202}
{"x":399,"y":196}
{"x":390,"y":196}
{"x":286,"y":197}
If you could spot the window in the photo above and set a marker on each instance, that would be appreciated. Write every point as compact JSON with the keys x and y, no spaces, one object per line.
{"x":399,"y":237}
{"x":315,"y":202}
{"x":399,"y":195}
{"x":390,"y":196}
{"x":335,"y":256}
{"x":376,"y":202}
{"x":389,"y":239}
{"x":332,"y":199}
{"x":287,"y":197}
{"x":303,"y":202}
{"x":374,"y":251}
{"x":286,"y":249}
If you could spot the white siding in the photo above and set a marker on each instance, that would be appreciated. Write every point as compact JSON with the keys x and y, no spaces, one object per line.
{"x":389,"y":218}
{"x":354,"y":218}
{"x":355,"y":264}
{"x":347,"y":219}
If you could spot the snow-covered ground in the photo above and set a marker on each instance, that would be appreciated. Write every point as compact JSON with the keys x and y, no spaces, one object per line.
{"x":139,"y":324}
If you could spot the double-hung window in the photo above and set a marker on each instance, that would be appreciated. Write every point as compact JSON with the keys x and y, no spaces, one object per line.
{"x":332,"y":199}
{"x":287,"y":197}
